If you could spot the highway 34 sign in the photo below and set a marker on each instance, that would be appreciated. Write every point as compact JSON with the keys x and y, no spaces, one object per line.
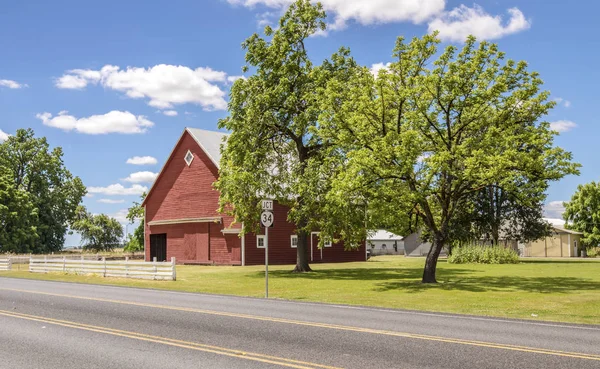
{"x":266,"y":219}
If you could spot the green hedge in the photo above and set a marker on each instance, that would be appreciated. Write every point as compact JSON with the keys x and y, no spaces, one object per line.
{"x":483,"y":255}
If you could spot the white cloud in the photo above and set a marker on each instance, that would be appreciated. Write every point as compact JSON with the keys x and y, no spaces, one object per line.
{"x":375,"y":68}
{"x":232,"y":79}
{"x":11,"y":84}
{"x":164,"y":85}
{"x":170,"y":113}
{"x":111,"y":122}
{"x":363,"y":12}
{"x":142,"y":160}
{"x":89,"y":195}
{"x":566,"y":103}
{"x":562,"y":125}
{"x":111,"y":201}
{"x":121,"y":216}
{"x":141,"y":177}
{"x":454,"y":25}
{"x":78,"y":79}
{"x":463,"y":21}
{"x":3,"y":136}
{"x":119,"y":190}
{"x":554,"y":209}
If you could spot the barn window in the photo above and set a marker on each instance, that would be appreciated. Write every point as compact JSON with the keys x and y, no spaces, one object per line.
{"x":189,"y":157}
{"x":327,"y":242}
{"x":260,"y":242}
{"x":294,"y":241}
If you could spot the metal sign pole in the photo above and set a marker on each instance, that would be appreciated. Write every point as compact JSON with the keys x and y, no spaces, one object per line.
{"x":266,"y":219}
{"x":267,"y":262}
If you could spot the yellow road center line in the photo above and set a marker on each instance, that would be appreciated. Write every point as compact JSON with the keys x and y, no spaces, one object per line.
{"x":332,"y":326}
{"x":172,"y":342}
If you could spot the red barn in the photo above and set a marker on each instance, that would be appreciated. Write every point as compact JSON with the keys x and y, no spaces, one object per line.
{"x":181,"y":217}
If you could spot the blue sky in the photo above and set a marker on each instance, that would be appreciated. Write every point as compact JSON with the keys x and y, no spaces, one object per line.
{"x":113,"y":80}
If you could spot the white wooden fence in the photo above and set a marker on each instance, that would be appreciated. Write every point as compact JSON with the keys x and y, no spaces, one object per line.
{"x":120,"y":268}
{"x":5,"y":264}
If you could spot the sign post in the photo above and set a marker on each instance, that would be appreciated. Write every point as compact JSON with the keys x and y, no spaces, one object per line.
{"x":266,"y":219}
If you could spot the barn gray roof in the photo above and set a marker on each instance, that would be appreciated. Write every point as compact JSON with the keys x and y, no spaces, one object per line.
{"x":210,"y":142}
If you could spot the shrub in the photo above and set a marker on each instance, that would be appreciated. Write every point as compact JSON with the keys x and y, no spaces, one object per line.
{"x":478,"y":254}
{"x":593,"y":252}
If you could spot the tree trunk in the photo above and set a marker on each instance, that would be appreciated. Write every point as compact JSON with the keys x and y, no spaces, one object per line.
{"x":431,"y":261}
{"x":302,"y":254}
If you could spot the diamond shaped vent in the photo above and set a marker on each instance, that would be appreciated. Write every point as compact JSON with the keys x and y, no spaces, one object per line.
{"x":189,"y":157}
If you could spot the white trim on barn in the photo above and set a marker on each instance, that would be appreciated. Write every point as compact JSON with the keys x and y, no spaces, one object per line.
{"x":186,"y":220}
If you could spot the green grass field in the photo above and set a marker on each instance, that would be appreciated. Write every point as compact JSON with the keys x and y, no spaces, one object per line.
{"x":557,"y":290}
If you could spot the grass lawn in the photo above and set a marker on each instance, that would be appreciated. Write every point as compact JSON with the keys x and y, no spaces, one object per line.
{"x":558,"y":290}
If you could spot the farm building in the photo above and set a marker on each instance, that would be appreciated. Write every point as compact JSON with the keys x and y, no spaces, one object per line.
{"x":382,"y":242}
{"x":561,"y":242}
{"x":181,"y":217}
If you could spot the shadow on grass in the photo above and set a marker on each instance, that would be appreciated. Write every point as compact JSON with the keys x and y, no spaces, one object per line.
{"x":455,"y":279}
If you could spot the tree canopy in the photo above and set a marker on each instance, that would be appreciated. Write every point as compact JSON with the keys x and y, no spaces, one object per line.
{"x":582,"y":213}
{"x":432,"y":129}
{"x":39,"y":195}
{"x":273,"y":151}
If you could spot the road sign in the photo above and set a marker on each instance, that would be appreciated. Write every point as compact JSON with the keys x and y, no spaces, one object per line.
{"x":267,"y":204}
{"x":266,"y":219}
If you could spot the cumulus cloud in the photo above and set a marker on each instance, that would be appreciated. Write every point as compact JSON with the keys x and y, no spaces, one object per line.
{"x":463,"y":21}
{"x":562,"y":126}
{"x":141,"y":177}
{"x":163,"y":85}
{"x":375,"y":68}
{"x":232,"y":79}
{"x":142,"y":160}
{"x":3,"y":136}
{"x":111,"y":122}
{"x":119,"y":190}
{"x":120,"y":216}
{"x":111,"y":201}
{"x":554,"y":209}
{"x":11,"y":84}
{"x":454,"y":25}
{"x":363,"y":12}
{"x":565,"y":103}
{"x":170,"y":113}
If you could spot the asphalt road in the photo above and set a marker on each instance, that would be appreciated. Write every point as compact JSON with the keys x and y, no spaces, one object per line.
{"x":63,"y":325}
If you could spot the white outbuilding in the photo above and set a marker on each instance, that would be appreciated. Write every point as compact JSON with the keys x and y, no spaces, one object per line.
{"x":382,"y":242}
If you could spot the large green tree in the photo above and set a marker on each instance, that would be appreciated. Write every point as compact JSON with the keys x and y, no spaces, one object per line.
{"x":98,"y":232}
{"x":582,"y":213}
{"x":273,"y":151}
{"x":18,"y":217}
{"x":510,"y":212}
{"x":432,"y":129}
{"x":38,"y":174}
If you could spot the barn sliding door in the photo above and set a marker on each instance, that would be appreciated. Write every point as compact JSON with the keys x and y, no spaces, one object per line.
{"x":158,"y":247}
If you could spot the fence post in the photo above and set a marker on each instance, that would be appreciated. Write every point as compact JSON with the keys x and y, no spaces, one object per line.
{"x":104,"y":262}
{"x":9,"y":263}
{"x":64,"y":264}
{"x":174,"y":271}
{"x":45,"y":264}
{"x":154,"y":265}
{"x":126,"y":267}
{"x":81,"y":271}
